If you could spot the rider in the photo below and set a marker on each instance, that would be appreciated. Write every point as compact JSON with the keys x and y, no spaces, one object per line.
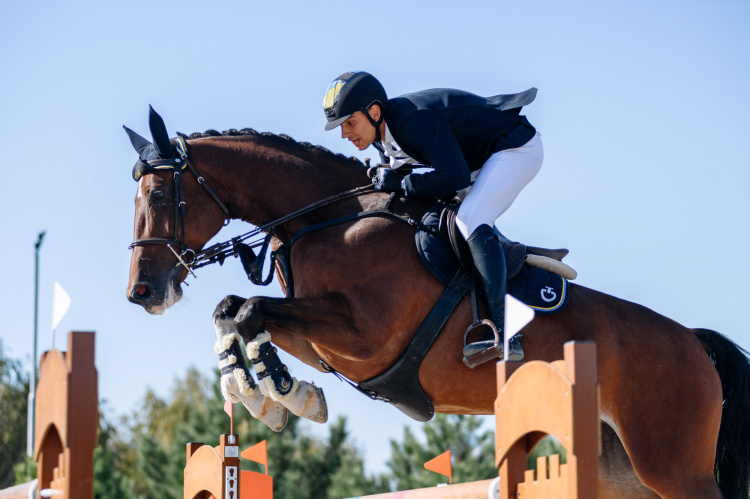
{"x":455,"y":133}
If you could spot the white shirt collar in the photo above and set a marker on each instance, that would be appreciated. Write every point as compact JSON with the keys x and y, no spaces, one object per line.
{"x":393,"y":151}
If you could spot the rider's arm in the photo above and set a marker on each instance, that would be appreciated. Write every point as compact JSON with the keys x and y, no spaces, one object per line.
{"x":432,"y":139}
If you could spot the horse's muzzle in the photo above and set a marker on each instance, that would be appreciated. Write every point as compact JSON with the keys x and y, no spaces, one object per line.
{"x":152,"y":299}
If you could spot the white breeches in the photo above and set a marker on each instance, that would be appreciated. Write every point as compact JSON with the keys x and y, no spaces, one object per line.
{"x":499,"y":182}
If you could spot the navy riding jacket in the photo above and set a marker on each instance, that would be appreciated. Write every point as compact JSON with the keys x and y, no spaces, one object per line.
{"x":454,"y":132}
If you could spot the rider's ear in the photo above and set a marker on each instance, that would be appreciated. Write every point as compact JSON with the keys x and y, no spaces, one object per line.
{"x":374,"y":111}
{"x":159,"y":133}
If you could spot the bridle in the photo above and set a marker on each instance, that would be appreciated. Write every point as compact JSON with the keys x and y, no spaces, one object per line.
{"x":177,"y":164}
{"x":236,"y":246}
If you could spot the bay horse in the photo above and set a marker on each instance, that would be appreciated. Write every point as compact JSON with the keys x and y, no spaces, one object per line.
{"x":675,"y":402}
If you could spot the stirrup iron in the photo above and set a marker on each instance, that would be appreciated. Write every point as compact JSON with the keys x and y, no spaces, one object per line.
{"x":480,"y":352}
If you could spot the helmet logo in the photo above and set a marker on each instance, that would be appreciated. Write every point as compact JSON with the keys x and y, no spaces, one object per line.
{"x":332,"y":95}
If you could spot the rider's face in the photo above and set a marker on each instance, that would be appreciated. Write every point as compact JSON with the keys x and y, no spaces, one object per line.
{"x":359,"y":130}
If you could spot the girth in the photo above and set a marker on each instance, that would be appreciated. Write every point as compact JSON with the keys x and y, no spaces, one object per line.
{"x":399,"y":384}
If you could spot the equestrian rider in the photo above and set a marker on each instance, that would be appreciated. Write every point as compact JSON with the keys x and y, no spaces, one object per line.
{"x":454,"y":133}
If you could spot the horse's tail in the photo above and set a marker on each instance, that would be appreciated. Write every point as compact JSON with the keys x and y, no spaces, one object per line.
{"x":732,"y":465}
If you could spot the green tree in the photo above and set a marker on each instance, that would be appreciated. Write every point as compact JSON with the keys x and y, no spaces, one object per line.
{"x":350,"y":480}
{"x":314,"y":468}
{"x":302,"y":466}
{"x":14,"y":397}
{"x":472,"y":452}
{"x":114,"y":461}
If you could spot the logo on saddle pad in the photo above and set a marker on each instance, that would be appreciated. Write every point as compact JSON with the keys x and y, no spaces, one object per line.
{"x":548,"y":294}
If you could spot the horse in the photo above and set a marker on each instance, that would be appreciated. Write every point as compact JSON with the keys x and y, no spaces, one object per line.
{"x":674,"y":402}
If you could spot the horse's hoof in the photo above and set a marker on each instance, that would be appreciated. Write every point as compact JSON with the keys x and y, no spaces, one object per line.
{"x":304,"y":400}
{"x":313,"y":406}
{"x":266,"y":410}
{"x":271,"y":413}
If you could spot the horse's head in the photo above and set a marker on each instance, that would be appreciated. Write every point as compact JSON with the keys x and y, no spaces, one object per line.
{"x":174,"y":218}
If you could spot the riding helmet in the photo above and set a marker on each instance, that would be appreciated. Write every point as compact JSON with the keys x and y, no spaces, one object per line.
{"x":351,"y":92}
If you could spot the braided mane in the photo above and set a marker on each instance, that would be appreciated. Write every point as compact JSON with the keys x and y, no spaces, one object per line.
{"x":281,"y":140}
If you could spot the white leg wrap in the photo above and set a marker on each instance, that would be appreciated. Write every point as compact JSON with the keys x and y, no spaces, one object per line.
{"x":303,"y":399}
{"x":237,"y":385}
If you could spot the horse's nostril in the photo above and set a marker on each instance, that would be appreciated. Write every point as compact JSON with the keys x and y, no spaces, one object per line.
{"x":140,"y":292}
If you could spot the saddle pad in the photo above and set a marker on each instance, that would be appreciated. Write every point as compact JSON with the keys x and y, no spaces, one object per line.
{"x":544,"y":291}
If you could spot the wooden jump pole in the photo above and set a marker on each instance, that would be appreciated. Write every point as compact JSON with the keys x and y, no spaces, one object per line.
{"x":482,"y":489}
{"x":24,"y":491}
{"x":67,"y":417}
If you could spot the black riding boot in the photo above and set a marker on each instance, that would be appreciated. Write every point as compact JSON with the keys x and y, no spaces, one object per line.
{"x":491,"y":272}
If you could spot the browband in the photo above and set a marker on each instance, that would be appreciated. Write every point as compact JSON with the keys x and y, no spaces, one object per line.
{"x":142,"y":168}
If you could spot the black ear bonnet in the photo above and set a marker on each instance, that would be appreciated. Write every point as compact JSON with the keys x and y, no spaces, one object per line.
{"x":159,"y":154}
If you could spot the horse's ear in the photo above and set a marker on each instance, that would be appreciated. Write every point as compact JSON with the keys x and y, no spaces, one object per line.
{"x":139,"y":143}
{"x":159,"y":133}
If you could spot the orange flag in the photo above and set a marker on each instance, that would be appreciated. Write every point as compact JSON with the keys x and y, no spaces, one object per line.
{"x":257,"y":453}
{"x":441,"y":464}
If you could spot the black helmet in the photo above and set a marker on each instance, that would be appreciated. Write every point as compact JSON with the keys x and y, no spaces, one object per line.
{"x":351,"y":92}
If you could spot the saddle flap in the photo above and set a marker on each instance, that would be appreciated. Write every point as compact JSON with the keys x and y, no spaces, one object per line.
{"x":447,"y":227}
{"x":515,"y":253}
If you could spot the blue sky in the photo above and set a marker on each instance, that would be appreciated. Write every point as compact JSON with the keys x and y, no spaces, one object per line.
{"x":642,"y":107}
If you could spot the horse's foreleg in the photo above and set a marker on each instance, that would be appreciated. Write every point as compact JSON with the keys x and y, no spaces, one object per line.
{"x":325,"y":321}
{"x":237,"y":384}
{"x":302,"y":398}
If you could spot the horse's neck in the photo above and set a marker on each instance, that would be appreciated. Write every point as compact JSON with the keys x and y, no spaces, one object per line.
{"x":261,"y":183}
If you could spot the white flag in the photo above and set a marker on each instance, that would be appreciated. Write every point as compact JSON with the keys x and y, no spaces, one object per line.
{"x":60,"y":305}
{"x":517,"y":315}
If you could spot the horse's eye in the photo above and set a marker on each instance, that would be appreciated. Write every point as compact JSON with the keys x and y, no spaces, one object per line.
{"x":157,"y":194}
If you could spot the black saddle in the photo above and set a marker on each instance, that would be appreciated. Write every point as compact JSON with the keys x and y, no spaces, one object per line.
{"x":515,"y":253}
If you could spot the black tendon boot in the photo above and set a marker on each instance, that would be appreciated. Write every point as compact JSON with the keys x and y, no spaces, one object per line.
{"x":268,"y":364}
{"x":491,"y":272}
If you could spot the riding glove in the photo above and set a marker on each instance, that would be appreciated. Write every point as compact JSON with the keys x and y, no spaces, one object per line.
{"x":387,"y":180}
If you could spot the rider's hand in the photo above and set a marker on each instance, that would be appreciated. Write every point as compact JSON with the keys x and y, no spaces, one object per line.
{"x":372,"y":170}
{"x":386,"y":180}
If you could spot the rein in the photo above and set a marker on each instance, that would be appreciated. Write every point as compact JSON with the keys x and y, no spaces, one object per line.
{"x":218,"y":252}
{"x":253,"y":264}
{"x":236,"y":246}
